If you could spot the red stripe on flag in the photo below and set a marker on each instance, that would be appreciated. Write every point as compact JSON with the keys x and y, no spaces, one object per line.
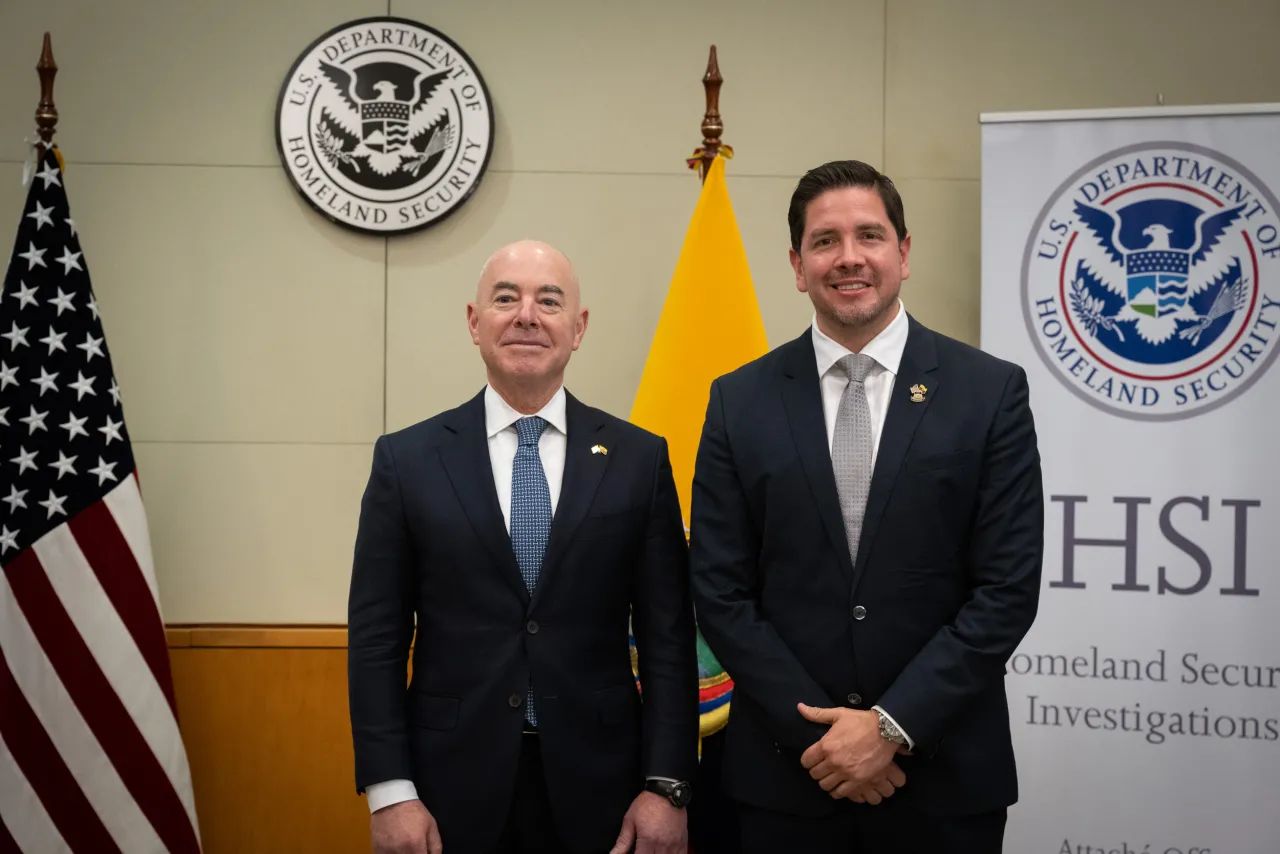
{"x":107,"y":551}
{"x":7,"y":845}
{"x":103,"y":711}
{"x":39,"y":761}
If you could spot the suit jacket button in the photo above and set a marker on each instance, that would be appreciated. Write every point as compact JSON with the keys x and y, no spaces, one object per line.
{"x":859,"y":612}
{"x":532,"y":626}
{"x":515,"y":700}
{"x":854,"y":699}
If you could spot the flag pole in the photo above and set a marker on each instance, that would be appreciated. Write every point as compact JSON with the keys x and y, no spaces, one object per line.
{"x":712,"y":820}
{"x":113,"y":681}
{"x":46,"y":112}
{"x":712,"y":126}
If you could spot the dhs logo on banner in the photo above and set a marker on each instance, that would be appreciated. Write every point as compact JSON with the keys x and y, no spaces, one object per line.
{"x":384,"y":125}
{"x":1151,"y":281}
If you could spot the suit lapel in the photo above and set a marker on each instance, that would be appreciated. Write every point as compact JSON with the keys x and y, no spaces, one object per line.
{"x":466,"y":462}
{"x":802,"y":398}
{"x":919,"y":359}
{"x":582,"y":473}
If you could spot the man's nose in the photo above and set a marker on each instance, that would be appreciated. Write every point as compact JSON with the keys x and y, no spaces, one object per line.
{"x":527,"y":316}
{"x":851,"y":254}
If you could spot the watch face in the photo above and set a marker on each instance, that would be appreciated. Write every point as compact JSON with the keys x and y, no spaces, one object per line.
{"x":681,"y":794}
{"x":891,"y":732}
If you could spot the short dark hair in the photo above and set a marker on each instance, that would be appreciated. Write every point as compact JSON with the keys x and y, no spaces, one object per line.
{"x":837,"y":175}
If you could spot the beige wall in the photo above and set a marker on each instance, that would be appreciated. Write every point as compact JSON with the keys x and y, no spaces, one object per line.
{"x":261,"y":350}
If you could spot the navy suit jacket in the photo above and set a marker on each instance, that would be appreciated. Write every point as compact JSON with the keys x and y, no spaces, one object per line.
{"x":433,"y":550}
{"x":945,"y":585}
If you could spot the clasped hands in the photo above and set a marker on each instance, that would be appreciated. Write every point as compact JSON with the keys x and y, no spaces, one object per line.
{"x":852,"y":760}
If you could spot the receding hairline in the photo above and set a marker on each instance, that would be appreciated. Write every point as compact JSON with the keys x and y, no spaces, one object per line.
{"x":528,"y":244}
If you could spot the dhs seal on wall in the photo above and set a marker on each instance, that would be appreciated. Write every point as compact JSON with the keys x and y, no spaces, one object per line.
{"x":384,"y":125}
{"x":1151,"y":281}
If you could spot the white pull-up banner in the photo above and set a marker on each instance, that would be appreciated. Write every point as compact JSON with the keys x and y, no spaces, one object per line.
{"x":1131,"y":264}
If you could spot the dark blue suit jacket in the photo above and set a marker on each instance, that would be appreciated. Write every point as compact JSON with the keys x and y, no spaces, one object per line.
{"x":433,"y":548}
{"x":945,"y":586}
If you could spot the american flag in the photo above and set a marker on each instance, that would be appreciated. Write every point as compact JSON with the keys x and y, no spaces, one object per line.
{"x":91,"y":758}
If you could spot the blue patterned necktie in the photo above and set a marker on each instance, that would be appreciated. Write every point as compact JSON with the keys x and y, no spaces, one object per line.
{"x":530,"y":513}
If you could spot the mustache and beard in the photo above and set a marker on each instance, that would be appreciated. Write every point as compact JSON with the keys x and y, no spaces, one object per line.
{"x":870,"y":306}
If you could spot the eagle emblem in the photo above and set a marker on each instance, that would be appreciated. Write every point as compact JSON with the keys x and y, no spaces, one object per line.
{"x":1157,"y":269}
{"x":384,"y":115}
{"x":384,"y":125}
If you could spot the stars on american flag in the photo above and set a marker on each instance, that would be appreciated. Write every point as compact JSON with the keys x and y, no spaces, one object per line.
{"x":15,"y":498}
{"x":63,"y":442}
{"x":33,"y":256}
{"x":62,"y":301}
{"x":69,"y":261}
{"x":8,"y":539}
{"x":16,"y":337}
{"x":83,"y":385}
{"x":104,"y":471}
{"x":54,"y":504}
{"x":54,"y":341}
{"x":91,"y":346}
{"x":74,"y":426}
{"x":41,"y":216}
{"x":25,"y":295}
{"x":25,"y":460}
{"x":50,"y":176}
{"x":35,"y":421}
{"x":111,"y":431}
{"x":46,"y":380}
{"x":64,"y":465}
{"x":73,"y":526}
{"x":8,"y":376}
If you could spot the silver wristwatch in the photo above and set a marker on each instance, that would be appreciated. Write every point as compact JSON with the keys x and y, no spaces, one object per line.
{"x":889,"y":730}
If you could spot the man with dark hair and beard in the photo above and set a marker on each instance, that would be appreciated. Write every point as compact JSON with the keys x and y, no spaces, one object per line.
{"x":866,"y":544}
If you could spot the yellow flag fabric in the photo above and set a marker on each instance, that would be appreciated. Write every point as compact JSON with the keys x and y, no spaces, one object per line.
{"x":710,"y":325}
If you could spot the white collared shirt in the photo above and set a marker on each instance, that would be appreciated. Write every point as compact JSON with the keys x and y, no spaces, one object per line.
{"x":500,"y":429}
{"x":886,"y":349}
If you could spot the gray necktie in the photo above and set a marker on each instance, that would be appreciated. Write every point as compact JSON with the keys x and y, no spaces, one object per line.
{"x":852,"y":448}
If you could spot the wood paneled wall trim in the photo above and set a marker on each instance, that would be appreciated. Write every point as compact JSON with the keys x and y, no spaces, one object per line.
{"x":263,"y":710}
{"x":230,"y":636}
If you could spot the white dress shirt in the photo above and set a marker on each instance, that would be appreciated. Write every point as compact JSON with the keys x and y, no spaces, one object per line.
{"x":886,"y":349}
{"x":500,"y":427}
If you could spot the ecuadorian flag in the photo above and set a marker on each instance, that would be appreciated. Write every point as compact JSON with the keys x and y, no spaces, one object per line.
{"x":710,"y":325}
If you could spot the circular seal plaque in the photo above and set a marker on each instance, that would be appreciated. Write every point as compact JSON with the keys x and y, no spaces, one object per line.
{"x":384,"y":125}
{"x":1151,"y":281}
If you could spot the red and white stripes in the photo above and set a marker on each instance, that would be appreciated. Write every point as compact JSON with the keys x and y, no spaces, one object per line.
{"x":91,"y":758}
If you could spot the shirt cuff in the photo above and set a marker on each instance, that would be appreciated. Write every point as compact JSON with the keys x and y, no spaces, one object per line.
{"x":910,"y":744}
{"x":391,"y":792}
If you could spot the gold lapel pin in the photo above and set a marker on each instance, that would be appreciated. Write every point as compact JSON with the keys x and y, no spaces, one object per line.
{"x":599,"y":449}
{"x":917,"y":393}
